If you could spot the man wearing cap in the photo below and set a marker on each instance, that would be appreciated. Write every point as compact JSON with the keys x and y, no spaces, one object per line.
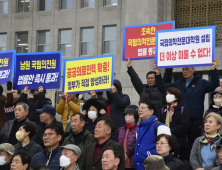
{"x":69,"y":156}
{"x":47,"y":117}
{"x":6,"y":153}
{"x":145,"y":145}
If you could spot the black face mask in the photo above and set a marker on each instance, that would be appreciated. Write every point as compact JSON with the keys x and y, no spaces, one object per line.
{"x":36,"y":97}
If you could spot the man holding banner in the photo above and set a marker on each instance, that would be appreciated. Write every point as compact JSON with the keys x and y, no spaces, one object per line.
{"x":193,"y":89}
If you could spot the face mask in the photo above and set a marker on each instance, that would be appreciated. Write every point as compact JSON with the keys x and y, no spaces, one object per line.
{"x":80,"y":97}
{"x":19,"y":135}
{"x":92,"y":115}
{"x":64,"y":161}
{"x":2,"y":160}
{"x":129,"y":119}
{"x":170,"y":98}
{"x":217,"y":102}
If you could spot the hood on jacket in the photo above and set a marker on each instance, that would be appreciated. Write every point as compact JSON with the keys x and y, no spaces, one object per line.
{"x":217,"y":90}
{"x":118,"y":85}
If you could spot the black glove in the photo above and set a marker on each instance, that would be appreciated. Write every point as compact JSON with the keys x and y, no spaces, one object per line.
{"x":9,"y":85}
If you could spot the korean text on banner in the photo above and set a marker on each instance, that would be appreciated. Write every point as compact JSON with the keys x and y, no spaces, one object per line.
{"x":188,"y":47}
{"x":139,"y":40}
{"x":6,"y":66}
{"x":37,"y":69}
{"x":88,"y":74}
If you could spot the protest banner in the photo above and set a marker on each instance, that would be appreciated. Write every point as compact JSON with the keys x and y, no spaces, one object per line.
{"x":6,"y":65}
{"x":82,"y":75}
{"x":37,"y":69}
{"x":139,"y":40}
{"x":188,"y":47}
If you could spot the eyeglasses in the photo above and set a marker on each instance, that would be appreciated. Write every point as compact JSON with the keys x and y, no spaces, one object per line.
{"x":161,"y":143}
{"x":48,"y":134}
{"x":142,"y":108}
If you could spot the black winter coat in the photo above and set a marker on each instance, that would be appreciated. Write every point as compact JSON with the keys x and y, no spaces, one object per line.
{"x":170,"y":161}
{"x":179,"y":125}
{"x":119,"y":102}
{"x":3,"y":138}
{"x":35,"y":103}
{"x":150,"y":93}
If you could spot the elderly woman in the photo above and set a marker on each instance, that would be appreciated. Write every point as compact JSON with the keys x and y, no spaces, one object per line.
{"x":204,"y":152}
{"x":25,"y":144}
{"x":20,"y":161}
{"x":177,"y":118}
{"x":165,"y":145}
{"x":93,"y":109}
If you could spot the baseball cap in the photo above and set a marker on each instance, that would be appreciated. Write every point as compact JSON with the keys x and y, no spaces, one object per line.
{"x":72,"y":147}
{"x":8,"y":148}
{"x":47,"y":109}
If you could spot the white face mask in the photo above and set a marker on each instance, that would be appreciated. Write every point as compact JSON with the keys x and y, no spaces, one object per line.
{"x":2,"y":160}
{"x":80,"y":97}
{"x":64,"y":161}
{"x":92,"y":115}
{"x":217,"y":102}
{"x":170,"y":98}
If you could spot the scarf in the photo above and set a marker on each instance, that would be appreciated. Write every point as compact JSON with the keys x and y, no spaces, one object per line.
{"x":170,"y":112}
{"x":129,"y":126}
{"x":210,"y":139}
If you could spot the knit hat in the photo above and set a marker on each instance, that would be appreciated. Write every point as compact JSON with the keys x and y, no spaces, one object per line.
{"x":131,"y":109}
{"x":8,"y":148}
{"x":155,"y":162}
{"x":93,"y":102}
{"x":217,"y":90}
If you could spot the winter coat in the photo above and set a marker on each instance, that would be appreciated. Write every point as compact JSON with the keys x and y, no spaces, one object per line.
{"x":6,"y":166}
{"x":37,"y":102}
{"x":119,"y":102}
{"x":217,"y":168}
{"x":145,"y":145}
{"x":2,"y":111}
{"x":179,"y":125}
{"x":170,"y":161}
{"x":194,"y":94}
{"x":53,"y":157}
{"x":8,"y":126}
{"x":3,"y":138}
{"x":150,"y":92}
{"x":89,"y":153}
{"x":37,"y":138}
{"x":31,"y":149}
{"x":63,"y":109}
{"x":131,"y":141}
{"x":196,"y":158}
{"x":86,"y":139}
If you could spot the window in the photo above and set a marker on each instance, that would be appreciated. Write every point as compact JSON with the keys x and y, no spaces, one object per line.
{"x":88,"y":3}
{"x":22,"y":6}
{"x":43,"y":41}
{"x":66,"y":4}
{"x":22,"y":42}
{"x":87,"y":38}
{"x":44,"y":5}
{"x":65,"y":42}
{"x":3,"y":42}
{"x":110,"y":2}
{"x":109,"y":39}
{"x":3,"y":6}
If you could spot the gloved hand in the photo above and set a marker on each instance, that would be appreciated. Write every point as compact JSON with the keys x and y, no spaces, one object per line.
{"x":9,"y":85}
{"x":68,"y":99}
{"x":63,"y":96}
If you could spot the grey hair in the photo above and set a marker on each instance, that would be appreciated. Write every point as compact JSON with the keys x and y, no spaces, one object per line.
{"x":24,"y":105}
{"x":218,"y":119}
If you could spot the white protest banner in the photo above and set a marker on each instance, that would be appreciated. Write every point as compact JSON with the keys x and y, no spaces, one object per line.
{"x":188,"y":47}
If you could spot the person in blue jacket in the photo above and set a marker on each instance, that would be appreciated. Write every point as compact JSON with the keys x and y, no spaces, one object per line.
{"x":50,"y":156}
{"x":147,"y":132}
{"x":193,"y":89}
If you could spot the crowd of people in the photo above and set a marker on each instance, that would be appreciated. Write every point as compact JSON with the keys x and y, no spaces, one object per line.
{"x":167,"y":130}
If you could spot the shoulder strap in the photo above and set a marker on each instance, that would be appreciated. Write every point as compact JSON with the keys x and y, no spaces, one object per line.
{"x":182,"y":109}
{"x":162,"y":110}
{"x":156,"y":127}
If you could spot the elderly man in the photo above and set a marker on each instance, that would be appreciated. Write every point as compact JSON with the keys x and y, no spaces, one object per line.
{"x":11,"y":127}
{"x":111,"y":158}
{"x":193,"y":89}
{"x":69,"y":156}
{"x":6,"y":153}
{"x":50,"y":156}
{"x":94,"y":151}
{"x":79,"y":135}
{"x":47,"y":116}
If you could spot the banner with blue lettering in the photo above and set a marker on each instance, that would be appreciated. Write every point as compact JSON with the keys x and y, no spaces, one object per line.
{"x":37,"y":69}
{"x":6,"y":66}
